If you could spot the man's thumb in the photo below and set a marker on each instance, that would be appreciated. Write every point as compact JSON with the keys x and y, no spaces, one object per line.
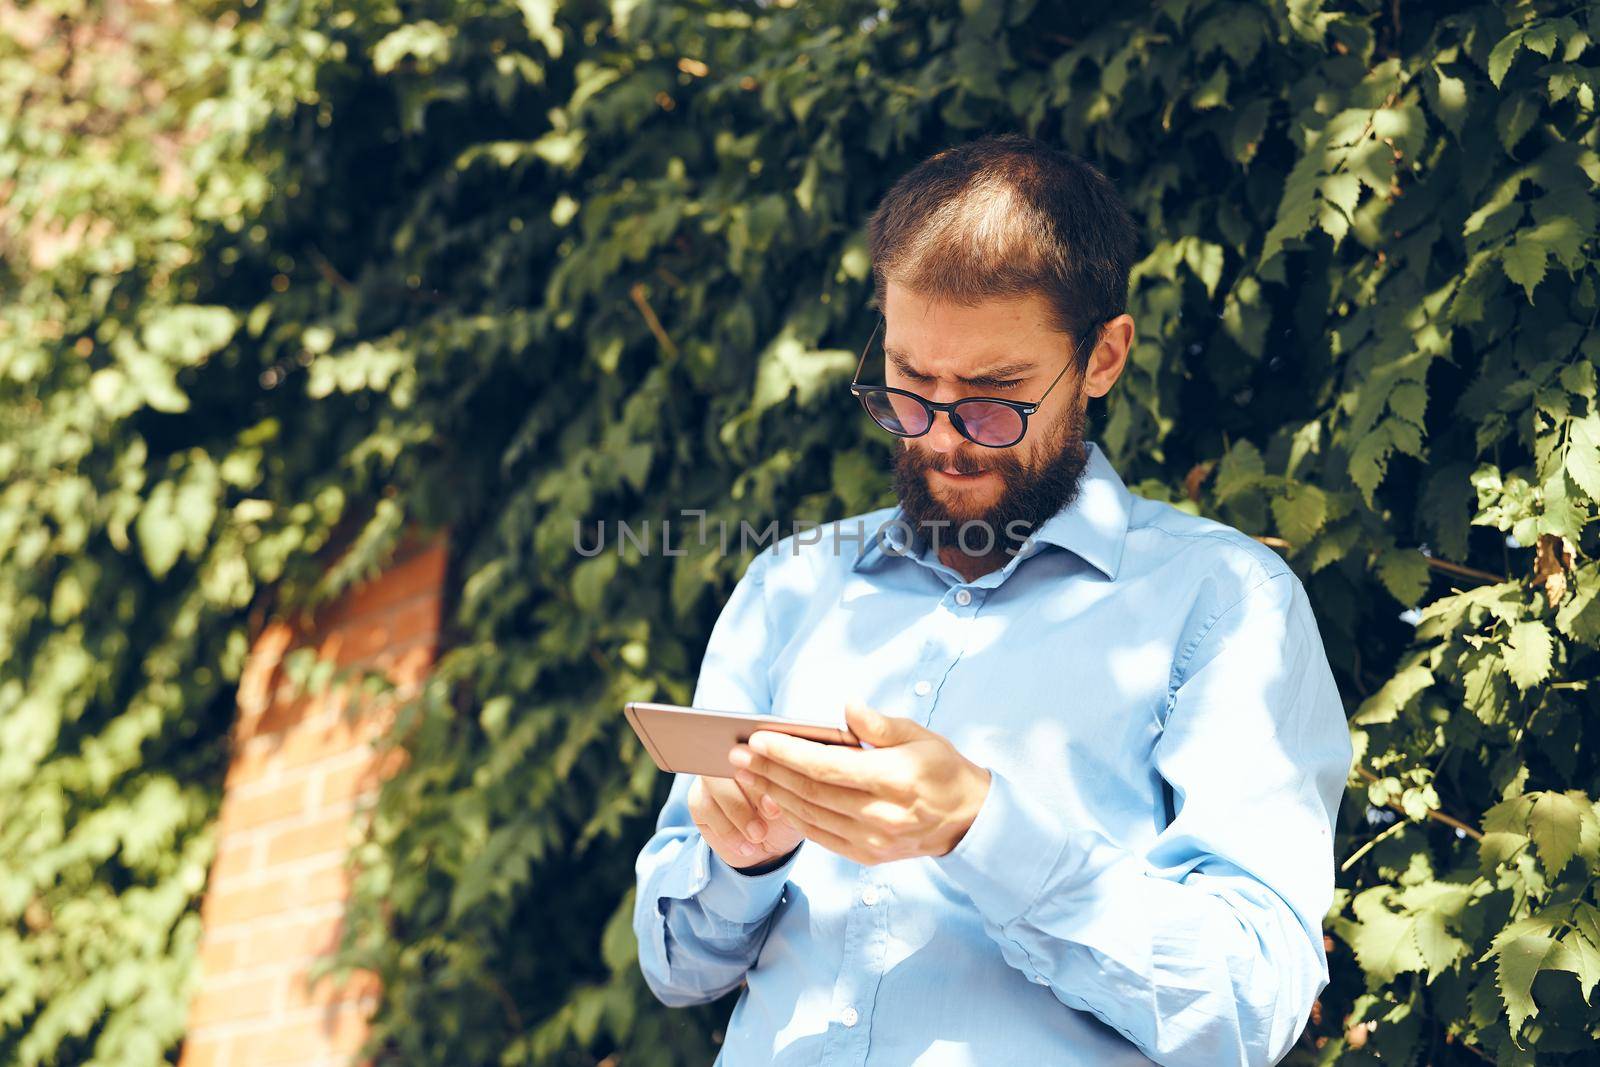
{"x":876,"y":728}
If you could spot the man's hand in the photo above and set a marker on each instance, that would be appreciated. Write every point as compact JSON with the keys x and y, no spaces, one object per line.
{"x":911,"y":795}
{"x":728,"y":820}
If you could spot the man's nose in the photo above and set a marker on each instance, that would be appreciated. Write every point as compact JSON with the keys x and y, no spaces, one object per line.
{"x":942,"y":436}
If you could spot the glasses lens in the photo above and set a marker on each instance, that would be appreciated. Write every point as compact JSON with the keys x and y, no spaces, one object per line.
{"x":989,"y":423}
{"x":895,"y":412}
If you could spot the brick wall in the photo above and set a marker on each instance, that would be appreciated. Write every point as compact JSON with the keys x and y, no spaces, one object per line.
{"x":301,"y":776}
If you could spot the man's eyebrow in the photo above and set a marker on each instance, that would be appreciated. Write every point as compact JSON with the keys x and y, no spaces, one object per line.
{"x":998,"y":373}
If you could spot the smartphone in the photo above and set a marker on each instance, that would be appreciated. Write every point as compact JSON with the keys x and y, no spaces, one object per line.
{"x":697,"y":740}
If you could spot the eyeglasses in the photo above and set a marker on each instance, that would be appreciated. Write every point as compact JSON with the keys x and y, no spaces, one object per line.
{"x":983,"y":420}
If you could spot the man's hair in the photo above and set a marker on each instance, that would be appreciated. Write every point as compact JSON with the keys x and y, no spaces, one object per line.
{"x":1006,"y":216}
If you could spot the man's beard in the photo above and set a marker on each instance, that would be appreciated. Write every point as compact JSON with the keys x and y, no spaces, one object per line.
{"x":1027,"y":498}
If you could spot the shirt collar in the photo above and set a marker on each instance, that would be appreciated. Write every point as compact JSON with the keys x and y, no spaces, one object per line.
{"x":1094,"y":526}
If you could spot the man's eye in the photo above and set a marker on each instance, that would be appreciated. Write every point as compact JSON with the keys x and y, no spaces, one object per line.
{"x":1003,"y":385}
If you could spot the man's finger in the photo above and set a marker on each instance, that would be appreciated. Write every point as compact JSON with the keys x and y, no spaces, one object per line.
{"x":715,"y":821}
{"x":846,"y":801}
{"x":732,"y":804}
{"x":756,"y":824}
{"x":830,"y":841}
{"x":836,"y":764}
{"x":813,"y":814}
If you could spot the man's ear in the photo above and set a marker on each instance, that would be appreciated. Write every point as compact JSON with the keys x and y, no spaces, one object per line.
{"x":1110,"y":356}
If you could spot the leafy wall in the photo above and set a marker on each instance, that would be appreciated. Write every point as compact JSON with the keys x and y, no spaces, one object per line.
{"x":514,"y":267}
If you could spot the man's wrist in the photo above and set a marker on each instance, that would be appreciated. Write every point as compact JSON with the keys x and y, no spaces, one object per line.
{"x":977,"y":795}
{"x":742,"y":896}
{"x":767,"y":866}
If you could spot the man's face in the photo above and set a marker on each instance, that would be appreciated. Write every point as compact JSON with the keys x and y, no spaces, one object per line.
{"x":1000,"y":348}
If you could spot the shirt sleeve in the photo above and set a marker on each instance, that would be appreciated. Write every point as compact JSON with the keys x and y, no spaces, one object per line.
{"x":1206,"y":948}
{"x":700,"y":923}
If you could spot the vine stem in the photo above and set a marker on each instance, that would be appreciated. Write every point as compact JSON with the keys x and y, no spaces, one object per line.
{"x":1437,"y":564}
{"x":1355,"y":856}
{"x":637,"y":294}
{"x":1439,"y":816}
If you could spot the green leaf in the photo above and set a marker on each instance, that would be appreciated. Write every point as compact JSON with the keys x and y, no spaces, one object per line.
{"x":788,"y":367}
{"x":1386,"y":704}
{"x":634,"y":463}
{"x":1524,"y":263}
{"x":1527,"y":653}
{"x":1300,"y":513}
{"x":1579,"y":378}
{"x":1240,"y":468}
{"x":1556,"y":826}
{"x":1383,"y":940}
{"x":618,"y":948}
{"x":590,"y":578}
{"x":1437,"y":906}
{"x":1439,"y":947}
{"x":1579,"y":614}
{"x":1586,"y":926}
{"x":1539,"y":36}
{"x":1450,"y":100}
{"x":188,"y":334}
{"x":1497,"y":848}
{"x":1369,"y":461}
{"x":540,"y":16}
{"x":1580,"y":956}
{"x":426,"y":43}
{"x":1405,"y":573}
{"x":178,"y":516}
{"x":1515,"y":117}
{"x":1583,"y":455}
{"x":1519,"y":963}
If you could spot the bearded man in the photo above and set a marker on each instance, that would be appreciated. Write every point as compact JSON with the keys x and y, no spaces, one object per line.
{"x":1092,"y":822}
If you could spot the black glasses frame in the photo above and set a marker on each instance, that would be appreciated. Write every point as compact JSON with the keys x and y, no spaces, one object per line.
{"x":951,"y":409}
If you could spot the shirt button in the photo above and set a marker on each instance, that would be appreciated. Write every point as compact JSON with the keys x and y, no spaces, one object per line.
{"x":849,"y":1017}
{"x":1041,"y":979}
{"x":963,"y":597}
{"x":869,"y":895}
{"x":923,"y":688}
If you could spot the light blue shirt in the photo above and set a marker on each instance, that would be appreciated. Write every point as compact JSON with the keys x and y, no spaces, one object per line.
{"x":1147,"y":876}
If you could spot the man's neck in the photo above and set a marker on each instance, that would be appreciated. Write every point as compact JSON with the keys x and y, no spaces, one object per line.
{"x":971,"y":567}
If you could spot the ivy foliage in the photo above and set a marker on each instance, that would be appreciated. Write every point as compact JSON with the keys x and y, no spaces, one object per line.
{"x":527,"y":268}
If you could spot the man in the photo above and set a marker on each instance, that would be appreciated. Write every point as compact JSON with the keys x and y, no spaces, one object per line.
{"x":1094,"y":823}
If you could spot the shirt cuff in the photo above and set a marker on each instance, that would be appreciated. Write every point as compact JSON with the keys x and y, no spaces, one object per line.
{"x":1007,"y":854}
{"x":738,"y":897}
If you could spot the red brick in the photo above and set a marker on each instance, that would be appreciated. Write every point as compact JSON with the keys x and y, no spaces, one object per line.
{"x":407,"y":665}
{"x":334,"y":1029}
{"x":250,"y":808}
{"x":329,"y":835}
{"x":259,"y":677}
{"x":300,"y":941}
{"x":331,"y":736}
{"x":228,"y":999}
{"x":237,"y":859}
{"x":418,"y":620}
{"x":347,"y":780}
{"x":286,"y":710}
{"x":302,"y":769}
{"x":360,"y":985}
{"x":219,"y":954}
{"x":420,"y":575}
{"x":415,"y":621}
{"x":251,"y":761}
{"x":390,"y":762}
{"x":274,"y":895}
{"x":204,"y":1051}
